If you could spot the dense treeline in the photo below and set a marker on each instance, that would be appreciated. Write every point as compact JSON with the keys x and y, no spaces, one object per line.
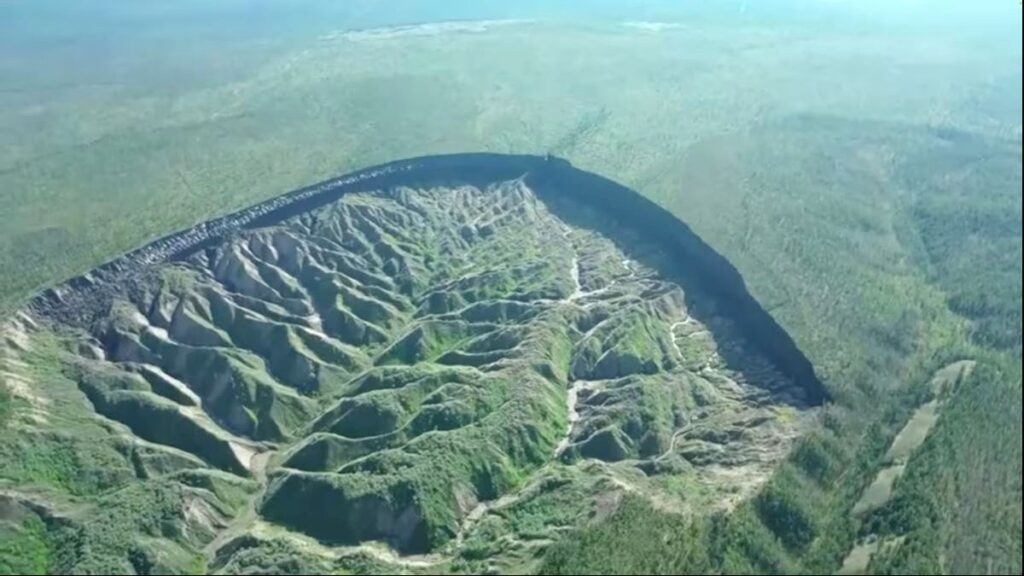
{"x":968,"y":215}
{"x":958,"y":506}
{"x":957,"y":509}
{"x":802,"y":520}
{"x":659,"y":543}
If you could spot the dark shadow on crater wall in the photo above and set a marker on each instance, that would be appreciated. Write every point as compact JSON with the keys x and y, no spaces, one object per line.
{"x":703,"y":274}
{"x":733,"y":344}
{"x":701,"y":270}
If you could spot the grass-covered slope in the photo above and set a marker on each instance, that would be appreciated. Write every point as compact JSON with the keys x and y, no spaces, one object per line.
{"x":457,"y":367}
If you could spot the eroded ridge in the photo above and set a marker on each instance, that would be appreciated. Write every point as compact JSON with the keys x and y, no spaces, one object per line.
{"x":410,"y":353}
{"x":396,"y":364}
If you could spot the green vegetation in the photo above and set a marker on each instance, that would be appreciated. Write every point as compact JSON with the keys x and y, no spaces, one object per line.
{"x":967,"y":217}
{"x":24,"y":548}
{"x":958,"y":506}
{"x":964,"y":479}
{"x":208,"y":370}
{"x":659,"y":543}
{"x":875,"y":212}
{"x":102,"y":502}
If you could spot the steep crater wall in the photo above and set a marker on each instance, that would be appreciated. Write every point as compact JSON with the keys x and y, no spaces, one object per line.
{"x":86,"y":298}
